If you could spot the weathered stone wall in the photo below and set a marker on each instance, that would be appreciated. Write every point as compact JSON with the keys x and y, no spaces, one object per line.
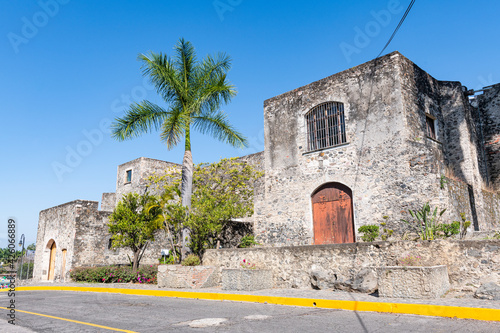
{"x":492,"y":209}
{"x":389,"y":162}
{"x":257,"y":161}
{"x":458,"y":202}
{"x":489,"y":108}
{"x":92,"y":243}
{"x":108,"y":202}
{"x":458,"y":148}
{"x":377,"y":175}
{"x":469,"y":263}
{"x":177,"y":276}
{"x":80,"y":229}
{"x":142,"y":168}
{"x":57,"y":224}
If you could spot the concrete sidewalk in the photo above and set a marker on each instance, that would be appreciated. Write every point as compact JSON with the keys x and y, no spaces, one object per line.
{"x":454,"y":305}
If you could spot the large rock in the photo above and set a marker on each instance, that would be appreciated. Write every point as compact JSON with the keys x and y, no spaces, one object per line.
{"x":365,"y":281}
{"x":489,"y":291}
{"x":320,"y":279}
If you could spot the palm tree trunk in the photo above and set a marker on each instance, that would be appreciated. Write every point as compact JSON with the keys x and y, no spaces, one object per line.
{"x":186,"y":192}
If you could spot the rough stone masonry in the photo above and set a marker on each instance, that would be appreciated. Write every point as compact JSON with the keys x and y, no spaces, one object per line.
{"x":365,"y":145}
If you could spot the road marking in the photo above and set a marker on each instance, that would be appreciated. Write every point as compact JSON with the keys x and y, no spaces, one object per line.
{"x":71,"y":320}
{"x":403,"y":308}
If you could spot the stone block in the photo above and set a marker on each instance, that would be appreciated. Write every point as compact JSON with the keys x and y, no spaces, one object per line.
{"x":489,"y":291}
{"x":413,"y":282}
{"x":190,"y":277}
{"x":247,"y":279}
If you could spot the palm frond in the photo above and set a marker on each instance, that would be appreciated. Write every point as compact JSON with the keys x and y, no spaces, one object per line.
{"x":163,"y":75}
{"x":140,"y":118}
{"x":185,"y":61}
{"x":217,"y":125}
{"x":213,"y":67}
{"x":174,"y":127}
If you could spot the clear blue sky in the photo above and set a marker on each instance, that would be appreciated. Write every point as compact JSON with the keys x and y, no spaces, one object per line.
{"x":66,"y":69}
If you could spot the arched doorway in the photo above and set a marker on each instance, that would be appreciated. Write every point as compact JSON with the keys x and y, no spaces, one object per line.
{"x":333,"y":220}
{"x":52,"y":259}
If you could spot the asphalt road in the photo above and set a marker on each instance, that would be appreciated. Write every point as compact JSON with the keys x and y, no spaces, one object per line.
{"x":162,"y":314}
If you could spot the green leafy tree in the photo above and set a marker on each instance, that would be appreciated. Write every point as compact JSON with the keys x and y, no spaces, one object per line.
{"x":133,"y":224}
{"x":194,"y":92}
{"x":31,"y":247}
{"x":5,"y":254}
{"x":222,"y":192}
{"x":171,"y":217}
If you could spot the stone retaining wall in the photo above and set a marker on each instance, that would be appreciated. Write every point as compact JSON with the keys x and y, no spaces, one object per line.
{"x":177,"y":276}
{"x":470,"y":262}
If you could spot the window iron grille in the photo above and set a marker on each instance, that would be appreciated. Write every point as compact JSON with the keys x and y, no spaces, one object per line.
{"x":326,"y":126}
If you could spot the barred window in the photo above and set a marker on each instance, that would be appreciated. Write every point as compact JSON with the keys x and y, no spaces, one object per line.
{"x":325,"y":126}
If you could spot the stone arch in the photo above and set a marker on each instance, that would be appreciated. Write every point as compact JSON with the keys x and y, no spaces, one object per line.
{"x":333,"y":218}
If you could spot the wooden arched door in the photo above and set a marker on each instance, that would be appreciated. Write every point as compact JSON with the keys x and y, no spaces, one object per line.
{"x":52,"y":261}
{"x":333,"y":220}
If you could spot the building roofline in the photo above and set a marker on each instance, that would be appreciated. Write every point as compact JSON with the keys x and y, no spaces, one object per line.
{"x":150,"y":159}
{"x":77,"y":201}
{"x":382,"y":58}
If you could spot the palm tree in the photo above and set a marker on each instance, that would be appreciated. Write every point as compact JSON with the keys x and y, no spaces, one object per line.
{"x":194,"y":92}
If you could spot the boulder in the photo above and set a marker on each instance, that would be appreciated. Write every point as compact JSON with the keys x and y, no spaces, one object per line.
{"x":320,"y":279}
{"x":489,"y":291}
{"x":365,"y":281}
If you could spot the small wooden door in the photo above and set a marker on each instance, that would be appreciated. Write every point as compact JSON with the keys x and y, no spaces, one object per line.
{"x":63,"y":266}
{"x":332,"y":214}
{"x":52,"y":261}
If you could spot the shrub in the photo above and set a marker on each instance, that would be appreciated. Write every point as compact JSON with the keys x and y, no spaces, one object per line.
{"x":247,"y":241}
{"x":191,"y":260}
{"x":426,"y":220}
{"x":370,"y":232}
{"x":464,"y":224}
{"x":115,"y":274}
{"x":168,"y":260}
{"x":449,"y":230}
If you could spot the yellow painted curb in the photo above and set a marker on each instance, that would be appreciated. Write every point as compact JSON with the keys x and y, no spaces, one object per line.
{"x":416,"y":309}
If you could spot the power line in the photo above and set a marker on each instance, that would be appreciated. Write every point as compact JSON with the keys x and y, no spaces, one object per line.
{"x":372,"y":74}
{"x":399,"y":25}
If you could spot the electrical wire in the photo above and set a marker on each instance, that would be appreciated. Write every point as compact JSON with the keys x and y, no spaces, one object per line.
{"x":399,"y":26}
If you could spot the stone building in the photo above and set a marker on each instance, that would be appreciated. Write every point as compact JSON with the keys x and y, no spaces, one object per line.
{"x":365,"y":145}
{"x":76,"y":234}
{"x":359,"y":147}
